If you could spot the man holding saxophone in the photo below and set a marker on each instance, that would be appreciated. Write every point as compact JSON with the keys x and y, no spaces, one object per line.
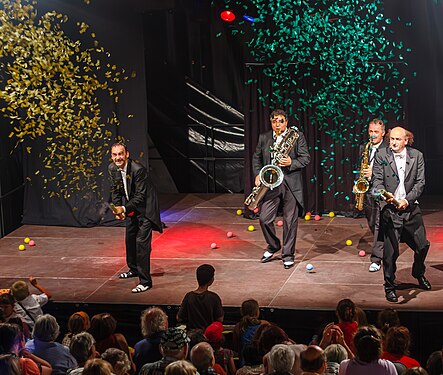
{"x":376,"y":132}
{"x":289,"y":192}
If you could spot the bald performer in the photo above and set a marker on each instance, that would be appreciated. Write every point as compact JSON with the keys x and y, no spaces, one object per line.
{"x":313,"y":361}
{"x":400,"y":170}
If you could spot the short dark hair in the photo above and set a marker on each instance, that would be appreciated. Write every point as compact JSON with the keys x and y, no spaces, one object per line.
{"x":102,"y":326}
{"x":387,"y":318}
{"x":311,"y":364}
{"x":278,"y":112}
{"x":10,"y":335}
{"x":377,"y":121}
{"x":398,"y":340}
{"x":119,"y":144}
{"x":205,"y":273}
{"x":367,"y":342}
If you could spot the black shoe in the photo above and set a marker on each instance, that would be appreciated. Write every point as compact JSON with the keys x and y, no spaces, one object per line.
{"x":391,"y":296}
{"x":267,"y":256}
{"x":424,"y":283}
{"x":288,"y":264}
{"x":127,"y":275}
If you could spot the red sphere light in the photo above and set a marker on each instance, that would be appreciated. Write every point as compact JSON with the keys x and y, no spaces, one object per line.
{"x":227,"y":16}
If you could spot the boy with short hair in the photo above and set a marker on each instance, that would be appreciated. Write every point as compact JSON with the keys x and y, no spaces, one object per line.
{"x":28,"y":306}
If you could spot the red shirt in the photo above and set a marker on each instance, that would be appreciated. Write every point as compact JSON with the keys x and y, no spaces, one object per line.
{"x":407,"y":361}
{"x":349,"y":330}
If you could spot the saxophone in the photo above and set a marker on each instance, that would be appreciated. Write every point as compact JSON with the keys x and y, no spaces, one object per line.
{"x":362,"y":184}
{"x":271,"y":175}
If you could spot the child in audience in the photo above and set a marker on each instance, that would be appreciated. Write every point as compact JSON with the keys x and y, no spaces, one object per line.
{"x":224,"y":357}
{"x":77,"y":323}
{"x":29,"y":306}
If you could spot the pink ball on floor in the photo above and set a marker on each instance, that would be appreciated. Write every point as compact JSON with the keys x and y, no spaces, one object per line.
{"x":317,"y":217}
{"x":362,"y":253}
{"x":255,"y":210}
{"x":32,"y":243}
{"x":229,"y":234}
{"x":213,"y":245}
{"x":280,"y":223}
{"x":308,"y":213}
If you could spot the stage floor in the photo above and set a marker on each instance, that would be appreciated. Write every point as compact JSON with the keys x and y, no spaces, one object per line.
{"x":81,"y":265}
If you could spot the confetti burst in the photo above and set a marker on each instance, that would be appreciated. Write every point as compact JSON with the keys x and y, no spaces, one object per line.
{"x":49,"y":90}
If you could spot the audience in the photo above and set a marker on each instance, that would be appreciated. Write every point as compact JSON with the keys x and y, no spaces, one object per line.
{"x":223,"y":357}
{"x":173,"y":346}
{"x":396,"y":347}
{"x":119,"y":361}
{"x":201,"y":307}
{"x":346,"y":321}
{"x":43,"y":345}
{"x":29,"y":306}
{"x":415,"y":371}
{"x":253,"y":361}
{"x":7,"y":303}
{"x":386,"y":319}
{"x":180,"y":368}
{"x":154,"y":322}
{"x":11,"y":345}
{"x":77,"y":323}
{"x":82,"y":348}
{"x":335,"y":354}
{"x":246,"y":328}
{"x":202,"y":357}
{"x":281,"y":358}
{"x":97,"y":367}
{"x":434,"y":364}
{"x":313,"y":360}
{"x":103,"y":328}
{"x":367,"y":361}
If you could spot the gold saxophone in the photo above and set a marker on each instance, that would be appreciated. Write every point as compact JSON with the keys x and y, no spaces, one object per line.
{"x":271,"y":175}
{"x":362,"y":184}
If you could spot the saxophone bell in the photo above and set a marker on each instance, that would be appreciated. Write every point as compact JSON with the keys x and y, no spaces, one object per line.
{"x":271,"y":176}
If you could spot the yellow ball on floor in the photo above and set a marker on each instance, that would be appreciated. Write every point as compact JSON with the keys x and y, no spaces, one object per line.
{"x":239,"y":212}
{"x":26,"y":240}
{"x":331,"y":214}
{"x":251,"y":228}
{"x":348,"y":242}
{"x":21,"y":247}
{"x":307,"y":217}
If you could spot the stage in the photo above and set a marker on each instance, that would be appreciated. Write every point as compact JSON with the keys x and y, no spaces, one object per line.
{"x":81,"y":265}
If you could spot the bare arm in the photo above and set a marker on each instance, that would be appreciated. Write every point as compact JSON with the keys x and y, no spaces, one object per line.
{"x":36,"y":285}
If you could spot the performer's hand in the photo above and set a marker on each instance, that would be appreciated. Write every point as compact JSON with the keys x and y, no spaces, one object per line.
{"x":403,"y":204}
{"x":120,"y":216}
{"x":257,"y":180}
{"x":285,"y":162}
{"x":33,"y":281}
{"x":367,"y":172}
{"x":118,"y":210}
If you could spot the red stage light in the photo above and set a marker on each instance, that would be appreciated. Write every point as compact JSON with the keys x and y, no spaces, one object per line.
{"x":227,"y":16}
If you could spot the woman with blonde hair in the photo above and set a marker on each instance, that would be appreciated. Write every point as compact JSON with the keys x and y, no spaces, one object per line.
{"x":180,"y":368}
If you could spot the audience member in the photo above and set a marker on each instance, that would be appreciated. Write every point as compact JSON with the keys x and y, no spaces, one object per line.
{"x":11,"y":344}
{"x":272,"y":335}
{"x":103,"y":328}
{"x":360,"y":317}
{"x":224,"y":357}
{"x":386,"y":319}
{"x":367,"y":361}
{"x":281,"y":358}
{"x":154,"y":322}
{"x":396,"y":347}
{"x":82,"y":348}
{"x":313,"y":360}
{"x":29,"y":306}
{"x":119,"y":361}
{"x":202,"y":357}
{"x":346,"y":321}
{"x":7,"y":303}
{"x":173,"y":346}
{"x":253,"y":361}
{"x":434,"y":364}
{"x":335,"y":354}
{"x":97,"y":367}
{"x":180,"y":368}
{"x":248,"y":325}
{"x":201,"y":307}
{"x":77,"y":323}
{"x":196,"y":336}
{"x":332,"y":334}
{"x":43,"y":345}
{"x":9,"y":365}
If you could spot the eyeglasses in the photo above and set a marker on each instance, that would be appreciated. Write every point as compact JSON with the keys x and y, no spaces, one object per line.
{"x":281,"y":120}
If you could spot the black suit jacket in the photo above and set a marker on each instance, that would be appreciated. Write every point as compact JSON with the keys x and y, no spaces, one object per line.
{"x":385,"y":174}
{"x":142,"y":195}
{"x":299,"y":154}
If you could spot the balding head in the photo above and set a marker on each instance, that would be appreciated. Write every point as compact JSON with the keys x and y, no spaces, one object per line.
{"x":313,"y":359}
{"x":202,"y":356}
{"x":398,"y":139}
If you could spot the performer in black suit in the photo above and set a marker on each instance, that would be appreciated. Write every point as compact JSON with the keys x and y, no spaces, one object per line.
{"x":131,"y":185}
{"x":290,"y":192}
{"x":376,"y":131}
{"x":400,"y":170}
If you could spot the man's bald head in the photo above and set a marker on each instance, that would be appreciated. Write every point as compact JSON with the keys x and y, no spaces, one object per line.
{"x":202,"y":356}
{"x":398,"y":139}
{"x":313,"y":359}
